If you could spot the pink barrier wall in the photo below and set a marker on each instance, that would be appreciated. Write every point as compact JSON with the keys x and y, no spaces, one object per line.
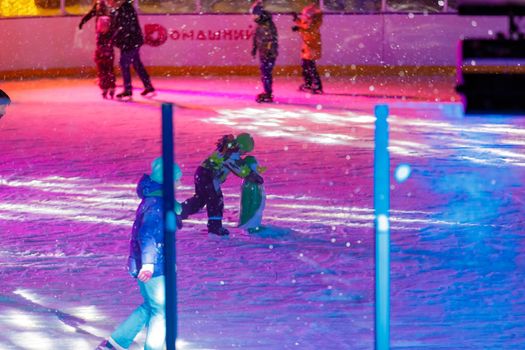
{"x":225,"y":40}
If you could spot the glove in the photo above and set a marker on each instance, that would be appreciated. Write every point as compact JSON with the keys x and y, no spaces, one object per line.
{"x":254,"y":52}
{"x":80,"y":25}
{"x":295,"y":28}
{"x":254,"y":177}
{"x":295,"y":17}
{"x":178,"y":221}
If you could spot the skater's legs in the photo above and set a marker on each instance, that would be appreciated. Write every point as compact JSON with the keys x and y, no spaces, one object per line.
{"x":214,"y":208}
{"x":110,"y":74}
{"x":266,"y":67}
{"x":151,"y":314}
{"x":106,"y":75}
{"x":154,"y":294}
{"x":306,"y":66}
{"x":316,"y":79}
{"x":208,"y":194}
{"x":192,"y":205}
{"x":126,"y":332}
{"x":203,"y":179}
{"x":141,"y":70}
{"x":126,"y":59}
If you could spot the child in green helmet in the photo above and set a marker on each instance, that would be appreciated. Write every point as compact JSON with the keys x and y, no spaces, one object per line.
{"x":212,"y":173}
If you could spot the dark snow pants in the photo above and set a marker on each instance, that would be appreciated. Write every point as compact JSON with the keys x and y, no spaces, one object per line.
{"x":266,"y":67}
{"x":104,"y":58}
{"x":205,"y":195}
{"x":310,"y":75}
{"x":132,"y":57}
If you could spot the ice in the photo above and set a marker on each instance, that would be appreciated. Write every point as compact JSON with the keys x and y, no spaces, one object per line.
{"x":70,"y":161}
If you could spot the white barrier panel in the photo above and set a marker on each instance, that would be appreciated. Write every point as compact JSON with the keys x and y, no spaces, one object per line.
{"x":225,"y":40}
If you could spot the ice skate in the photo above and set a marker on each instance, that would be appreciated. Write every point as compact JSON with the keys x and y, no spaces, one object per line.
{"x":317,"y":91}
{"x":112,"y":93}
{"x":125,"y":95}
{"x":264,"y":98}
{"x":221,"y":231}
{"x":305,"y":88}
{"x":105,"y":345}
{"x":105,"y":94}
{"x":149,"y":91}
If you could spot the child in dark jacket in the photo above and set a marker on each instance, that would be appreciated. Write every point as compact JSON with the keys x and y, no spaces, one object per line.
{"x":104,"y":53}
{"x":212,"y":173}
{"x":265,"y":42}
{"x":146,"y":264}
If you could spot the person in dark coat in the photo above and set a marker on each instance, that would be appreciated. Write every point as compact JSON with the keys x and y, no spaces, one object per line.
{"x":128,"y":38}
{"x":4,"y":102}
{"x":104,"y":53}
{"x":146,"y":264}
{"x":212,"y":173}
{"x":265,"y":42}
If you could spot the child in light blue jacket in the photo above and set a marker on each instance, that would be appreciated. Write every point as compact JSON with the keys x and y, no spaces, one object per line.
{"x":146,"y":264}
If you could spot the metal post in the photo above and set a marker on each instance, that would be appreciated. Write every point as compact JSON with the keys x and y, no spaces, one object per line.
{"x":170,"y":226}
{"x":63,"y":11}
{"x":198,"y":6}
{"x":382,"y":228}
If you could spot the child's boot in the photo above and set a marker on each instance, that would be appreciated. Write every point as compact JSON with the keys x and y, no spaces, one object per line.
{"x":105,"y":345}
{"x":215,"y":227}
{"x":317,"y":89}
{"x":264,"y":97}
{"x":305,"y":88}
{"x":148,"y":90}
{"x":112,"y":93}
{"x":104,"y":94}
{"x":125,"y":94}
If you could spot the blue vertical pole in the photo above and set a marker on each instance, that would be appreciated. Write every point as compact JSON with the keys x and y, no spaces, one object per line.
{"x":170,"y":226}
{"x":382,"y":228}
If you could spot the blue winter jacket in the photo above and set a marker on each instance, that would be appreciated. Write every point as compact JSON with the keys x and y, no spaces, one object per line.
{"x":147,"y":236}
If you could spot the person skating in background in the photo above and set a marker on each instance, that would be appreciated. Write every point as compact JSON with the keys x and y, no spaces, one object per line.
{"x":146,"y":264}
{"x":265,"y":42}
{"x":4,"y":102}
{"x":212,"y":173}
{"x":128,"y":38}
{"x":104,"y":53}
{"x":253,"y":198}
{"x":308,"y":24}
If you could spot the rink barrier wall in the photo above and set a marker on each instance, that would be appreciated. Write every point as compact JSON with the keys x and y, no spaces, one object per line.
{"x":221,"y":44}
{"x":288,"y":71}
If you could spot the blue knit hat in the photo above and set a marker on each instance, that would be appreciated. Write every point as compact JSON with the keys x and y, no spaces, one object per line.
{"x":157,"y":171}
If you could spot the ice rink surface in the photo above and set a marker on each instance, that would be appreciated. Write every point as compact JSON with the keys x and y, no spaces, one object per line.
{"x":70,"y":162}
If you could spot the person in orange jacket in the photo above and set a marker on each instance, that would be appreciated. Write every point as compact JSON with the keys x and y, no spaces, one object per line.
{"x":308,"y":24}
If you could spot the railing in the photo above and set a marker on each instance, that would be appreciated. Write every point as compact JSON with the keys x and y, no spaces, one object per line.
{"x":25,"y":8}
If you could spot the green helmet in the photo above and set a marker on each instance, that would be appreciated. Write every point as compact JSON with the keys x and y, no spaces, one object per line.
{"x":245,"y":142}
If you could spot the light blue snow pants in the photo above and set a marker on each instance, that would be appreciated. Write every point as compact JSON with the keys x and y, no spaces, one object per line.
{"x":150,"y":314}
